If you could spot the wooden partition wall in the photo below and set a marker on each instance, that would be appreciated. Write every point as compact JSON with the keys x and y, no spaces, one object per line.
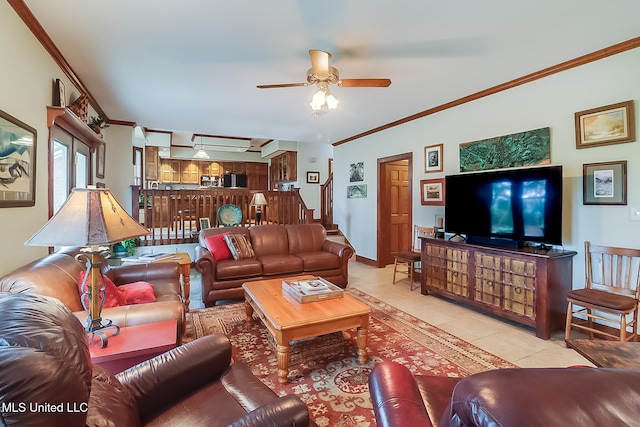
{"x":173,"y":216}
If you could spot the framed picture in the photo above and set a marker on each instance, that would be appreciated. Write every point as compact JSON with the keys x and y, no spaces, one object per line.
{"x":356,"y":172}
{"x":100,"y":155}
{"x":313,"y":177}
{"x":433,"y":158}
{"x":611,"y":124}
{"x":358,"y":191}
{"x":59,"y":96}
{"x":204,"y":223}
{"x":17,"y":163}
{"x":604,"y":183}
{"x":432,"y":192}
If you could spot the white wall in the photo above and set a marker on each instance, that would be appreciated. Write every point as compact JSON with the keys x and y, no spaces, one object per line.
{"x":313,"y":158}
{"x":119,"y":172}
{"x":26,"y":79}
{"x":548,"y":102}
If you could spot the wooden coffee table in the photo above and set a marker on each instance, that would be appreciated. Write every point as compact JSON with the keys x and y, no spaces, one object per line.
{"x":608,"y":354}
{"x":288,"y":320}
{"x":134,"y":344}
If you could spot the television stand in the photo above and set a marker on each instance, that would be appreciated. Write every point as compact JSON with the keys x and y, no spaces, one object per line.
{"x":524,"y":285}
{"x":495,"y":241}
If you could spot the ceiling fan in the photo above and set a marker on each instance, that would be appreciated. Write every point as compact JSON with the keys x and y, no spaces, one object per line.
{"x":322,"y":75}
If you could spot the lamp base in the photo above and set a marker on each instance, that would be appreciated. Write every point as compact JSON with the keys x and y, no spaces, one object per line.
{"x":95,"y":327}
{"x":94,"y":294}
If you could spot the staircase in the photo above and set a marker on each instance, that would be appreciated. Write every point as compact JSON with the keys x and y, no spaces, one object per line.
{"x":326,"y":212}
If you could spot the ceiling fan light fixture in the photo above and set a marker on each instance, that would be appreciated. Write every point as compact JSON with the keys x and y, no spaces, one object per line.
{"x":332,"y":101}
{"x":314,"y":106}
{"x":319,"y":97}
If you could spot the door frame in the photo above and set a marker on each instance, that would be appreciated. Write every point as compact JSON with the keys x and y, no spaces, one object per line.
{"x":382,"y":227}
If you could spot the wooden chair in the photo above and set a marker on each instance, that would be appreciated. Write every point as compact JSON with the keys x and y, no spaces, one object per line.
{"x":610,"y":295}
{"x":411,"y":257}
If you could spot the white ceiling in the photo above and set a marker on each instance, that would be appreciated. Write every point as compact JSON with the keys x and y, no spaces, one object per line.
{"x":193,"y":65}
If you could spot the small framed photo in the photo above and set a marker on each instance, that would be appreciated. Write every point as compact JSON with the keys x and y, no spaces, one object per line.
{"x":611,"y":124}
{"x":356,"y":172}
{"x":604,"y":183}
{"x":100,"y":158}
{"x":59,"y":95}
{"x":313,"y":177}
{"x":433,"y":158}
{"x":432,"y":192}
{"x":204,"y":223}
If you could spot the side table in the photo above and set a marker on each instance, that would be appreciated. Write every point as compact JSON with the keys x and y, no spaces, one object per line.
{"x":183,"y":259}
{"x":134,"y":344}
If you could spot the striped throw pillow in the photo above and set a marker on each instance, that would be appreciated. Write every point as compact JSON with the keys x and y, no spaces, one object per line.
{"x":239,"y":246}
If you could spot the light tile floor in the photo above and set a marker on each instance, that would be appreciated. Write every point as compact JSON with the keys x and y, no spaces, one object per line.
{"x":517,"y":344}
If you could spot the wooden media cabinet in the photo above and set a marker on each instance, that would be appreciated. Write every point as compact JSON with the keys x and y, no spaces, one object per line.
{"x":527,"y":285}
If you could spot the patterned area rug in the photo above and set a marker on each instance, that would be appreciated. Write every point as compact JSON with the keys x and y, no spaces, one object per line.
{"x":325,"y":372}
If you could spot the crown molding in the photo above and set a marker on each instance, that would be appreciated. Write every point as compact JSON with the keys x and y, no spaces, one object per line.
{"x":546,"y":72}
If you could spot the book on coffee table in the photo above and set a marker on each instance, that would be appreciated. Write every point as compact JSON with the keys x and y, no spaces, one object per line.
{"x":309,"y":290}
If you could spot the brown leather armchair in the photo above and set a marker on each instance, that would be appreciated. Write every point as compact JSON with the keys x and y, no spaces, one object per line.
{"x":48,"y":379}
{"x":526,"y":397}
{"x":56,"y":275}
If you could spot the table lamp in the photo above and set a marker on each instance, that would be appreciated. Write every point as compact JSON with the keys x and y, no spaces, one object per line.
{"x":90,"y":218}
{"x":258,"y":200}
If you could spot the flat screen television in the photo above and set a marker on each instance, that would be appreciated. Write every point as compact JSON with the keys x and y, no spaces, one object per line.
{"x":506,"y":207}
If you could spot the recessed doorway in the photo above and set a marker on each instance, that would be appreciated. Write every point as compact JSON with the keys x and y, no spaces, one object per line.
{"x":394,"y":206}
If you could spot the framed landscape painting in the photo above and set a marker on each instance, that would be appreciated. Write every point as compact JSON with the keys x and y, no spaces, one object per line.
{"x":17,"y":162}
{"x":611,"y":124}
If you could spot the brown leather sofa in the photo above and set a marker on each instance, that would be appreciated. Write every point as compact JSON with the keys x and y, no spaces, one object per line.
{"x":527,"y":397}
{"x":280,"y":251}
{"x":48,"y":379}
{"x":57,"y":275}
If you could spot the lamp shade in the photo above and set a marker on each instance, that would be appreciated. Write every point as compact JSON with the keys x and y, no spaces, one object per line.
{"x":89,"y":217}
{"x":258,"y":199}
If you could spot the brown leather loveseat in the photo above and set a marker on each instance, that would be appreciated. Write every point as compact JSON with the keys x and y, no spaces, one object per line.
{"x":48,"y":379}
{"x":280,"y":251}
{"x":57,"y":274}
{"x":526,"y":397}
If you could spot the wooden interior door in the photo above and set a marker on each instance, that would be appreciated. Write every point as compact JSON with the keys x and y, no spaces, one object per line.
{"x":394,"y":207}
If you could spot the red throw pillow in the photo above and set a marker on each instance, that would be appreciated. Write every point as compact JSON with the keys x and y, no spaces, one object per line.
{"x":218,"y":247}
{"x":113,"y":298}
{"x":137,"y":293}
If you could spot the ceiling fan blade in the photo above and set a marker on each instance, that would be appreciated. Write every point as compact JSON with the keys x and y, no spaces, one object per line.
{"x":320,"y":62}
{"x":281,"y":85}
{"x":364,"y":82}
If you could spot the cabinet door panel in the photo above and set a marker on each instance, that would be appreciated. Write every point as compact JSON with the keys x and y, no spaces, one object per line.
{"x":519,"y":286}
{"x":436,"y":266}
{"x":488,"y":287}
{"x":457,"y":267}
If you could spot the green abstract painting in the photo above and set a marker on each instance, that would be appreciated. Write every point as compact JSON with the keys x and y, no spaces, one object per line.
{"x":519,"y":149}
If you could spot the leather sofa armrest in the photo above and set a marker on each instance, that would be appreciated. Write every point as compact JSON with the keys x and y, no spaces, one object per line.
{"x":340,"y":249}
{"x":142,"y":314}
{"x":167,"y":378}
{"x":396,"y":397}
{"x":284,"y":411}
{"x":205,"y":264}
{"x":144,"y":272}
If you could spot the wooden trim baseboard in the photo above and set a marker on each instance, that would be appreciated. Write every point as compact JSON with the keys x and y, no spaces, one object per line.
{"x":367,"y":261}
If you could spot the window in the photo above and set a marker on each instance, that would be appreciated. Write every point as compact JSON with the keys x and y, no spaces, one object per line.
{"x":71,"y":165}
